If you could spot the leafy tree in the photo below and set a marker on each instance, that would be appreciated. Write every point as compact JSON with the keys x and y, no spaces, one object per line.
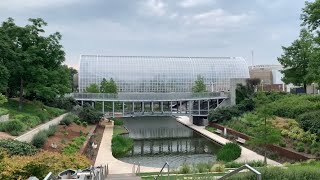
{"x":296,"y":58}
{"x":108,"y":86}
{"x":93,"y":88}
{"x":199,"y":85}
{"x":264,"y":133}
{"x":311,"y":15}
{"x":34,"y":61}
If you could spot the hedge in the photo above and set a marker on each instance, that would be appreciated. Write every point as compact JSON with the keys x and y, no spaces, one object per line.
{"x":229,"y":152}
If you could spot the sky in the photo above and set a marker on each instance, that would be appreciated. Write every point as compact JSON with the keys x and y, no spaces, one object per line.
{"x":165,"y":27}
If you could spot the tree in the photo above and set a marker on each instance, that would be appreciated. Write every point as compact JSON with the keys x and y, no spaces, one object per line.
{"x":93,"y":88}
{"x":108,"y":86}
{"x":296,"y":60}
{"x":34,"y":61}
{"x":199,"y":85}
{"x":264,"y":133}
{"x":3,"y":99}
{"x":311,"y":15}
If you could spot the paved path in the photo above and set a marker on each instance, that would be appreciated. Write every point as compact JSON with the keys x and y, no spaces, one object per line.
{"x":115,"y":166}
{"x":27,"y":137}
{"x":246,"y":154}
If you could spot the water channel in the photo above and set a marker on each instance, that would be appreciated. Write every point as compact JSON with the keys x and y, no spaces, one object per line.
{"x":161,"y":139}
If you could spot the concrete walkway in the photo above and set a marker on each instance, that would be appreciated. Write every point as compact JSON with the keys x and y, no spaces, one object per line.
{"x":115,"y":166}
{"x":246,"y":154}
{"x":27,"y":137}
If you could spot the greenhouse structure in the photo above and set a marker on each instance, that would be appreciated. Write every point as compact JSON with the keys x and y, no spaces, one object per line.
{"x":158,"y":85}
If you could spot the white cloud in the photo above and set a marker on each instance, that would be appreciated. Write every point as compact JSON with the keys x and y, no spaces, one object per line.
{"x":35,"y":4}
{"x":154,"y":7}
{"x":218,"y":19}
{"x":193,"y":3}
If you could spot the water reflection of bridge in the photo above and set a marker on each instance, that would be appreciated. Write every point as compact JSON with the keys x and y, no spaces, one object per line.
{"x":159,"y":133}
{"x":154,"y":104}
{"x":196,"y":145}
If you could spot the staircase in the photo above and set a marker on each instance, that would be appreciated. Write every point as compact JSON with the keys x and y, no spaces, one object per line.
{"x":122,"y":176}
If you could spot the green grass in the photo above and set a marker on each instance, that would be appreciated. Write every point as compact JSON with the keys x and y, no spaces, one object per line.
{"x":117,"y":130}
{"x":211,"y":129}
{"x":148,"y":176}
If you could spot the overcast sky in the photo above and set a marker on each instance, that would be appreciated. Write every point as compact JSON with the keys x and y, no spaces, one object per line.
{"x":166,"y":27}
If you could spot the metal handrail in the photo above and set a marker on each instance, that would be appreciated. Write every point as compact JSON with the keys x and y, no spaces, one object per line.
{"x":246,"y":166}
{"x":160,"y":173}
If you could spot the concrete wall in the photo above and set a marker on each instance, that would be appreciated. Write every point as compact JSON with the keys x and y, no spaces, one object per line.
{"x":27,"y":137}
{"x":233,"y":86}
{"x":4,"y":118}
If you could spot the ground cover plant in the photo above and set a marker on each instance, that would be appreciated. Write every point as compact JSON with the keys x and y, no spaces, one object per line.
{"x":121,"y":145}
{"x":74,"y":146}
{"x":229,"y":152}
{"x":41,"y":137}
{"x":13,"y":147}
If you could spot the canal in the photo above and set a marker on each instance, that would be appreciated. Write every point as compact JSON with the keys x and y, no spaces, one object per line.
{"x":161,"y":139}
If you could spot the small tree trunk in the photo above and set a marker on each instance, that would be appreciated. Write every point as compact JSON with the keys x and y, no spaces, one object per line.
{"x":21,"y":94}
{"x":305,"y":87}
{"x":265,"y":156}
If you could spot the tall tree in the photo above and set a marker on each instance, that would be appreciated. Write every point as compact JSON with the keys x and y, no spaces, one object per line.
{"x":296,"y":59}
{"x":34,"y":62}
{"x":93,"y":88}
{"x":199,"y":85}
{"x":108,"y":86}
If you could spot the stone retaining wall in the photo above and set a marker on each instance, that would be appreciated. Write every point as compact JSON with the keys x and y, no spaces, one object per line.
{"x":4,"y":118}
{"x":27,"y":137}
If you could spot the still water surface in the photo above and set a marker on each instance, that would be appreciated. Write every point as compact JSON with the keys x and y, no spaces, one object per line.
{"x":161,"y":139}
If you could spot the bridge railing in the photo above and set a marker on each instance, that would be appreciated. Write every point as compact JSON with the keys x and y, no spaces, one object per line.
{"x":148,"y":96}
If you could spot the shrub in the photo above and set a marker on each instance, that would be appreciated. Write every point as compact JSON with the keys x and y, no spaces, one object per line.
{"x":39,"y":139}
{"x":121,"y":145}
{"x":89,"y":114}
{"x":223,"y":114}
{"x":3,"y":111}
{"x":66,"y":103}
{"x":14,"y":127}
{"x":22,"y":167}
{"x":68,"y":119}
{"x":30,"y":121}
{"x":218,"y":167}
{"x":229,"y":152}
{"x":52,"y":130}
{"x":14,"y":147}
{"x":74,"y":146}
{"x":279,"y":173}
{"x":300,"y":149}
{"x":184,"y":169}
{"x":310,"y":121}
{"x":234,"y":164}
{"x":117,"y":122}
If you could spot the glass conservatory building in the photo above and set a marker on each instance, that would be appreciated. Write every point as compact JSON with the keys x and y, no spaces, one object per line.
{"x":159,"y":78}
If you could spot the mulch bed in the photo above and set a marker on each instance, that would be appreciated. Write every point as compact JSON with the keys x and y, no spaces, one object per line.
{"x":64,"y":135}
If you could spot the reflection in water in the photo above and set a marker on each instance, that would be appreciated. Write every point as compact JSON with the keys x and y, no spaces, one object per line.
{"x":161,"y":139}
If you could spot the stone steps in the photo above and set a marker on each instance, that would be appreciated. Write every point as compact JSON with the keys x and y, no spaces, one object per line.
{"x":122,"y":176}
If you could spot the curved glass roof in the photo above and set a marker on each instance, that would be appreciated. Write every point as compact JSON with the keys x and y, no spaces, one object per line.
{"x":156,"y":74}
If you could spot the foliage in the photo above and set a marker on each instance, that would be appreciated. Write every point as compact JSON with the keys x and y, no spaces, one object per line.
{"x":89,"y":114}
{"x":310,"y":121}
{"x":211,"y":129}
{"x":265,"y":134}
{"x":39,"y":139}
{"x":93,"y":88}
{"x":3,"y":111}
{"x":296,"y":58}
{"x":13,"y":147}
{"x":23,"y":167}
{"x":185,"y":169}
{"x":117,"y":122}
{"x":108,"y":86}
{"x":234,"y":164}
{"x":279,"y":173}
{"x":66,"y":103}
{"x":74,"y":146}
{"x":246,"y":92}
{"x":294,"y":132}
{"x":229,"y":152}
{"x":223,"y":114}
{"x":121,"y":145}
{"x":33,"y":61}
{"x":199,"y":85}
{"x":14,"y":127}
{"x":218,"y":167}
{"x":69,"y":119}
{"x":52,"y":130}
{"x":3,"y":99}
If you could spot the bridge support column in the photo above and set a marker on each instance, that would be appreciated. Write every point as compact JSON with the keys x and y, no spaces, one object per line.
{"x":171,"y":106}
{"x":152,"y":107}
{"x":190,"y":107}
{"x":199,"y":107}
{"x":161,"y":106}
{"x":180,"y":107}
{"x":208,"y":106}
{"x":92,"y":104}
{"x":103,"y":107}
{"x":133,"y":107}
{"x":122,"y":108}
{"x":142,"y":109}
{"x":217,"y":102}
{"x":81,"y":103}
{"x":113,"y":109}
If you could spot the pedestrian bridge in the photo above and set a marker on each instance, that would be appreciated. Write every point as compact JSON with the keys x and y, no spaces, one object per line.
{"x":154,"y":104}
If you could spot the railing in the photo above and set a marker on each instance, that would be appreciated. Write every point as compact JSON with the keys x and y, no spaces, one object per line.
{"x":246,"y":166}
{"x":50,"y":176}
{"x":160,"y":173}
{"x":134,"y":170}
{"x":148,"y":96}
